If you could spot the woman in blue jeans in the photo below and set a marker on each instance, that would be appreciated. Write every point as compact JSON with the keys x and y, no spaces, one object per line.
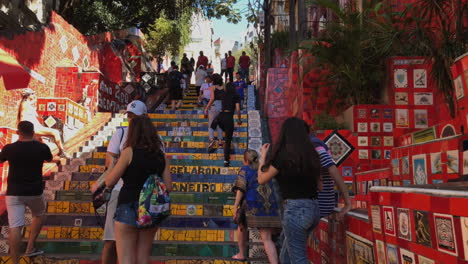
{"x":296,"y":166}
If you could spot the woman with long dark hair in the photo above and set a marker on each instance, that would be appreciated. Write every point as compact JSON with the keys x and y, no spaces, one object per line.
{"x":230,"y":103}
{"x":142,"y":156}
{"x":296,"y":166}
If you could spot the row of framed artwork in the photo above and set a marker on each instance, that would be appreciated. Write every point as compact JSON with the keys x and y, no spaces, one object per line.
{"x":388,"y":254}
{"x":415,"y":226}
{"x":420,"y":171}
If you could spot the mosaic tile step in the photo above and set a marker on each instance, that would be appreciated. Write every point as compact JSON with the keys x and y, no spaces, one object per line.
{"x":199,"y":111}
{"x":174,"y":169}
{"x":207,"y":156}
{"x":198,"y":139}
{"x":163,"y":234}
{"x":200,"y":162}
{"x":85,"y":176}
{"x":95,"y":259}
{"x":181,"y":115}
{"x":179,"y":177}
{"x":103,"y":149}
{"x":203,"y":198}
{"x":198,"y":129}
{"x":172,"y":222}
{"x":201,"y":187}
{"x":86,"y":207}
{"x":160,"y":248}
{"x":215,"y":161}
{"x":209,"y":178}
{"x":63,"y":188}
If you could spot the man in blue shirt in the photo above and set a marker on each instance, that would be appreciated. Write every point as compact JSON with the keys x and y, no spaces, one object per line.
{"x":240,"y":86}
{"x":329,"y":176}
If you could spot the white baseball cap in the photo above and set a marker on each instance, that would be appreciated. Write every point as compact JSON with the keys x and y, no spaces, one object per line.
{"x":137,"y":107}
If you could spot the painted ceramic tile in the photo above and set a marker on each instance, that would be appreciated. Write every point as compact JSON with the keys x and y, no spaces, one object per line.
{"x":465,"y":162}
{"x":389,"y":220}
{"x":424,"y":260}
{"x":423,"y":99}
{"x":380,"y":249}
{"x":407,"y":257}
{"x":376,"y":219}
{"x":419,"y":169}
{"x":375,"y":113}
{"x":388,"y":141}
{"x":405,"y":165}
{"x":395,"y":167}
{"x":404,"y":224}
{"x":436,"y":163}
{"x":422,"y":228}
{"x":388,"y":113}
{"x":458,"y":84}
{"x":362,"y":113}
{"x":392,"y":254}
{"x":376,"y":154}
{"x":401,"y":98}
{"x":453,"y":161}
{"x":363,"y":154}
{"x":388,"y":127}
{"x":362,"y":127}
{"x":445,"y":233}
{"x":376,"y":141}
{"x":347,"y":171}
{"x":363,"y":141}
{"x":421,"y":119}
{"x":52,"y":106}
{"x":400,"y":78}
{"x":387,"y":154}
{"x":402,"y":118}
{"x":375,"y":127}
{"x":464,"y":229}
{"x":420,"y":78}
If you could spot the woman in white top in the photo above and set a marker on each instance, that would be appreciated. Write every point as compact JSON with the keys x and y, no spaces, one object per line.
{"x":200,"y":78}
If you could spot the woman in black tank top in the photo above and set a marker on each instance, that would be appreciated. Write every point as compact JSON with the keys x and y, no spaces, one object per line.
{"x":142,"y":155}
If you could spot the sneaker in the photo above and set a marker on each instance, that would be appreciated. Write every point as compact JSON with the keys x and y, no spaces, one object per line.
{"x":34,"y":252}
{"x":226,"y":163}
{"x":212,"y":145}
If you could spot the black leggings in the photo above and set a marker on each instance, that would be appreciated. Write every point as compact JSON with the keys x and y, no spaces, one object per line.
{"x":225,"y":120}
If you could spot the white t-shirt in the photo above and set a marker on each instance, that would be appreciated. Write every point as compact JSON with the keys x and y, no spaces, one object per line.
{"x":223,"y":64}
{"x":205,"y":88}
{"x":200,"y":77}
{"x":116,"y":145}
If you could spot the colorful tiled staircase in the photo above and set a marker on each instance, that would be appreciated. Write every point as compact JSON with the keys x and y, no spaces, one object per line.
{"x":200,"y":229}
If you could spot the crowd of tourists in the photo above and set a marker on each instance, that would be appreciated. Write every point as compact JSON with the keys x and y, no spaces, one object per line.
{"x":137,"y":181}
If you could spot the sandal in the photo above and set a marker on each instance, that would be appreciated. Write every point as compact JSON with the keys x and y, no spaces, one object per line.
{"x":34,"y":252}
{"x":236,"y":257}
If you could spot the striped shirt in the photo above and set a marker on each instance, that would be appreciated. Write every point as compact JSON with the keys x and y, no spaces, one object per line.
{"x":326,"y":197}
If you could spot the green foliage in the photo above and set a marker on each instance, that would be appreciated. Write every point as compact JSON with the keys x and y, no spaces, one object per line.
{"x":438,"y":33}
{"x":324,"y":121}
{"x":96,"y":16}
{"x":280,"y":39}
{"x":353,"y":49}
{"x":168,"y":36}
{"x":355,"y":46}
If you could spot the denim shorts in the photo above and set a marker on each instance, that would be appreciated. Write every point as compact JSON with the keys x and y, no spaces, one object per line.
{"x":127,"y":213}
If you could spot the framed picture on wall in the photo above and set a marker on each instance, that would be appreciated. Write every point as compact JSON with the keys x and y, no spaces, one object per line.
{"x":445,"y":234}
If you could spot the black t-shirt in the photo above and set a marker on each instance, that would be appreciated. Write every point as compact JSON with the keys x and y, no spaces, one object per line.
{"x":230,"y":101}
{"x":174,"y":79}
{"x":293,"y":182}
{"x":25,"y":174}
{"x":143,"y":164}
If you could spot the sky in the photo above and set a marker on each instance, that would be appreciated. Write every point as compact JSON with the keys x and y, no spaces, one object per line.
{"x":231,"y":31}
